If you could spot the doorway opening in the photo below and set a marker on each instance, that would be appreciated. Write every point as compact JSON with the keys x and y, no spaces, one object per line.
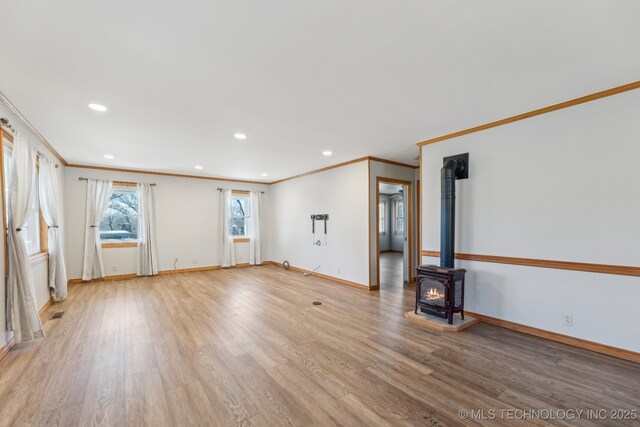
{"x":393,"y":231}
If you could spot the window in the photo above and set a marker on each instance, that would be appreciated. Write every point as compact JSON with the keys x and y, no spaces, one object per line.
{"x":398,"y":217}
{"x":382,"y":218}
{"x":240,"y":208}
{"x":120,"y":222}
{"x":31,"y":231}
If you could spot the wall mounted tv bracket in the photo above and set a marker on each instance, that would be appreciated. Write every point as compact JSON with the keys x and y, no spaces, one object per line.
{"x":319,"y":217}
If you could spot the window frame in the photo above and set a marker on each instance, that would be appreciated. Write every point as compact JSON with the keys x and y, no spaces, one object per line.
{"x":247,"y":236}
{"x":120,"y":184}
{"x":382,"y":217}
{"x":6,"y":140}
{"x":42,"y":232}
{"x":396,"y":216}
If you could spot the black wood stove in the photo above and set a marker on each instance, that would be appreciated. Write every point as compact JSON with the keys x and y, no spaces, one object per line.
{"x":440,"y":289}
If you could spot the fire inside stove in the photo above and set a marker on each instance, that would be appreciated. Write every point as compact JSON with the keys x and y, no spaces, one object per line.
{"x":434,"y":295}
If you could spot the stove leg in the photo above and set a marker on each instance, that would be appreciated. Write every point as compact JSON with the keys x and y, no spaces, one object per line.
{"x":450,"y":317}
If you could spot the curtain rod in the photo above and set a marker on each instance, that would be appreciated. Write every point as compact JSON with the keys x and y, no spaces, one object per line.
{"x":43,"y":155}
{"x":5,"y":122}
{"x":124,"y":182}
{"x":220,"y":189}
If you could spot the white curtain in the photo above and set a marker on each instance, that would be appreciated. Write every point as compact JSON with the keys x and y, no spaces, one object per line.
{"x":227,"y":252}
{"x":147,"y":257}
{"x":255,"y":245}
{"x":49,"y":199}
{"x":22,"y":311}
{"x":98,"y":193}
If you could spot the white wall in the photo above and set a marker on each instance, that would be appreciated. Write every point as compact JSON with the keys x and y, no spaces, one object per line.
{"x":187,"y":221}
{"x":386,"y":170}
{"x":343,"y":194}
{"x":39,"y":268}
{"x":561,"y":186}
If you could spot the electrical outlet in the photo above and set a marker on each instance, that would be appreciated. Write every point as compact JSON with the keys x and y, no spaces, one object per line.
{"x":568,"y":320}
{"x":114,"y":268}
{"x":195,"y":262}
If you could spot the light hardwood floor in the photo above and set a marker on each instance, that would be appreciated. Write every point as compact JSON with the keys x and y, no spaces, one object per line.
{"x":247,"y":347}
{"x":391,"y":270}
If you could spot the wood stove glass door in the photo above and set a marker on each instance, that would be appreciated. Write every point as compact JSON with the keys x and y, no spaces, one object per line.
{"x":432,"y":292}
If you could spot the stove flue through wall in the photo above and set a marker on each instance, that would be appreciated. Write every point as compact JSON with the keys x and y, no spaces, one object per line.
{"x":440,"y":289}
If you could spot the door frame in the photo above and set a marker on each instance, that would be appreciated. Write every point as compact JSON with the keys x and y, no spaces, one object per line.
{"x":409,"y":185}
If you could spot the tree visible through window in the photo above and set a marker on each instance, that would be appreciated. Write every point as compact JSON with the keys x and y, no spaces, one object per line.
{"x":240,"y":205}
{"x":120,"y":223}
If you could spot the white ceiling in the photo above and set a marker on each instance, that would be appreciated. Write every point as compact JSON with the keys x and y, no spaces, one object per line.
{"x":358,"y":77}
{"x":386,"y":188}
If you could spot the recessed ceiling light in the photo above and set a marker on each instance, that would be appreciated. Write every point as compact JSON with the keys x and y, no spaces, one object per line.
{"x":326,"y":153}
{"x":240,"y":136}
{"x":264,"y":174}
{"x":198,"y":167}
{"x":98,"y":107}
{"x":109,"y":156}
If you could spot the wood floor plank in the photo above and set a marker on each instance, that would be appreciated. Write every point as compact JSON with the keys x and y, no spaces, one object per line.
{"x":229,"y":399}
{"x":62,"y":416}
{"x":296,"y":384}
{"x":146,"y":401}
{"x":277,"y":405}
{"x":104,"y":401}
{"x":363,"y":411}
{"x":190,"y":406}
{"x":391,"y":276}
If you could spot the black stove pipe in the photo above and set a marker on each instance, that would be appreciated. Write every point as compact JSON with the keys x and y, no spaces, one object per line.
{"x":448,"y":175}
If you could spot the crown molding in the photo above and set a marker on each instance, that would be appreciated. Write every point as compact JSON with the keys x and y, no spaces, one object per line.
{"x":211,"y":178}
{"x":175,"y":175}
{"x":32,"y":128}
{"x":338,"y":165}
{"x":544,"y":110}
{"x":393,"y":162}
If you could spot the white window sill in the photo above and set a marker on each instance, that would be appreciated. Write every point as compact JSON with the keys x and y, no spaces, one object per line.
{"x":119,"y":244}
